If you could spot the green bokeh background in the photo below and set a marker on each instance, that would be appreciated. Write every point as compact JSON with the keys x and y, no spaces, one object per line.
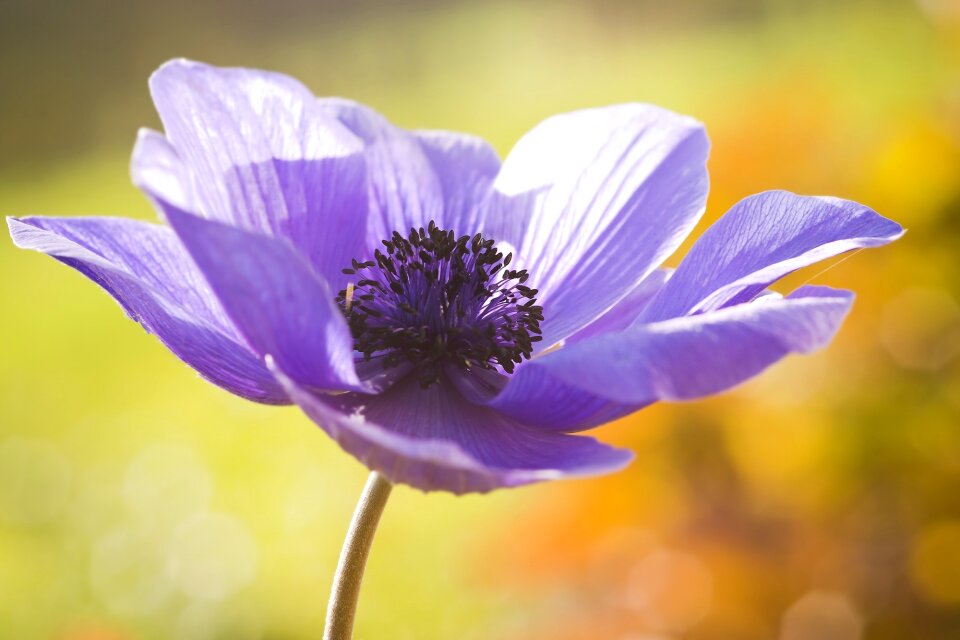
{"x":818,"y":502}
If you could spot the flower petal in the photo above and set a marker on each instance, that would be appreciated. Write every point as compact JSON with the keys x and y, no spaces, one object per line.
{"x":625,"y":312}
{"x":157,"y":168}
{"x":760,"y":240}
{"x":416,"y":177}
{"x":466,"y":167}
{"x":608,"y":376}
{"x":274,"y":298}
{"x":604,"y":196}
{"x":146,"y":269}
{"x":265,"y":157}
{"x":434,"y":440}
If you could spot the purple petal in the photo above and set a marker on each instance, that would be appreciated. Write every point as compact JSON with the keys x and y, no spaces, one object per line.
{"x":274,"y":298}
{"x":434,"y":440}
{"x":416,"y":177}
{"x":146,"y":269}
{"x":465,"y":166}
{"x":625,"y":312}
{"x":264,"y":156}
{"x":605,"y":195}
{"x":156,"y":168}
{"x":760,"y":240}
{"x":596,"y":380}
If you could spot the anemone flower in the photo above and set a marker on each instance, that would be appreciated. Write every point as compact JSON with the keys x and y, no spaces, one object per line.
{"x":451,"y":321}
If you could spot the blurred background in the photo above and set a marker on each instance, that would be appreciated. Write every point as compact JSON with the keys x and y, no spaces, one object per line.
{"x":820,"y":501}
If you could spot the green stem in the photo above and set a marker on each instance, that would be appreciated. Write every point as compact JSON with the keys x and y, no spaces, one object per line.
{"x":353,"y":558}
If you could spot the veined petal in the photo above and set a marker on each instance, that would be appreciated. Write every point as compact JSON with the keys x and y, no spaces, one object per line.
{"x":434,"y":440}
{"x":157,"y":168}
{"x":625,"y":312}
{"x":760,"y":240}
{"x":603,"y":196}
{"x":279,"y":304}
{"x":146,"y":269}
{"x":465,"y":166}
{"x":608,"y":376}
{"x":263,"y":156}
{"x":418,"y":176}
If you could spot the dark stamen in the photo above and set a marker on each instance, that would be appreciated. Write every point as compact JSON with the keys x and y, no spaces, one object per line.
{"x":434,"y":298}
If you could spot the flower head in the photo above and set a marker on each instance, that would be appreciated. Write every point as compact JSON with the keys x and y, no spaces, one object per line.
{"x":449,"y":321}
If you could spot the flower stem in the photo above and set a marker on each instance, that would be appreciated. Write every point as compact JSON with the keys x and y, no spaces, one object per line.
{"x":353,"y":558}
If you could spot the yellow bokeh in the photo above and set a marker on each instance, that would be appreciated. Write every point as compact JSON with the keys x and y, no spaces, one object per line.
{"x":935,"y":563}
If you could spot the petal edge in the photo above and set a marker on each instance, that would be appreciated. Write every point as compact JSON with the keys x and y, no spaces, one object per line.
{"x":599,"y":379}
{"x":431,"y":460}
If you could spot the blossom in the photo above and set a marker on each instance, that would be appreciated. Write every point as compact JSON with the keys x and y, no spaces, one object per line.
{"x":451,"y":321}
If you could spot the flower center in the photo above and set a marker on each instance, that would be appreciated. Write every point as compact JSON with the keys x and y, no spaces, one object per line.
{"x":434,"y":299}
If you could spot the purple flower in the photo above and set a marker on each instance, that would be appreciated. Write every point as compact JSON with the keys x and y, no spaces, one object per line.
{"x":449,"y":321}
